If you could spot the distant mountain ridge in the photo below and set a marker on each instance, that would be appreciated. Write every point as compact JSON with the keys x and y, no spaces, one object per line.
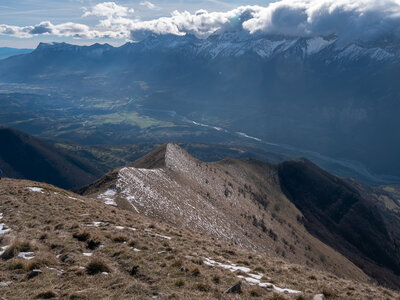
{"x":6,"y":52}
{"x":236,"y":44}
{"x":327,"y":49}
{"x":25,"y":157}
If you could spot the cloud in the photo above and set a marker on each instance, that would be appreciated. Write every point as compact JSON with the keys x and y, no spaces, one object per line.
{"x":149,"y":5}
{"x":69,"y":29}
{"x":201,"y":24}
{"x":16,"y":31}
{"x":362,"y":19}
{"x":42,"y":28}
{"x":108,"y":10}
{"x":349,"y":19}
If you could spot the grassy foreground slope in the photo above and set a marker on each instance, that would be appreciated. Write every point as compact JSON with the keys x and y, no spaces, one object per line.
{"x":62,"y":245}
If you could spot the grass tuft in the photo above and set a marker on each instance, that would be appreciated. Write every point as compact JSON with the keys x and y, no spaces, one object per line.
{"x":82,"y":236}
{"x":120,"y":238}
{"x":203,"y":287}
{"x":16,"y":247}
{"x":46,"y":295}
{"x":97,"y":266}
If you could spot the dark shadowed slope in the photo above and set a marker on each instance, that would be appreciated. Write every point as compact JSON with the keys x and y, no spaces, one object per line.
{"x":338,"y":215}
{"x":23,"y":156}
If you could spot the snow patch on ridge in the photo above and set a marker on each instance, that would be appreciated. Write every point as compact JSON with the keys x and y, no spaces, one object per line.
{"x":3,"y":249}
{"x":107,"y":197}
{"x":97,"y":224}
{"x":3,"y":227}
{"x":252,"y":279}
{"x":163,"y":236}
{"x":26,"y":255}
{"x":231,"y":267}
{"x":35,"y":189}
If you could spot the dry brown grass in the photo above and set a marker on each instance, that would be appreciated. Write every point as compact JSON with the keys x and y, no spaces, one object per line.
{"x":16,"y":247}
{"x":119,"y":238}
{"x":171,"y":269}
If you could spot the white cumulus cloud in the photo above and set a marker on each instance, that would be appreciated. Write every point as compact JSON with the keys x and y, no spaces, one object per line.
{"x":361,"y":19}
{"x":349,"y":19}
{"x":201,"y":23}
{"x":47,"y":28}
{"x":108,"y":10}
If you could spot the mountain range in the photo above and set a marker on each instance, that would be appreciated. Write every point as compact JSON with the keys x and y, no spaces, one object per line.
{"x":314,"y":95}
{"x":6,"y":52}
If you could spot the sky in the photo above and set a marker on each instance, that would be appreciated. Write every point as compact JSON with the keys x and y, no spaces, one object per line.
{"x":30,"y":12}
{"x":25,"y":23}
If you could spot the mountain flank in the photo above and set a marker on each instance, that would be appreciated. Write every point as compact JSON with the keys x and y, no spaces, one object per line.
{"x":25,"y":157}
{"x":293,"y":210}
{"x":56,"y":244}
{"x":336,"y":213}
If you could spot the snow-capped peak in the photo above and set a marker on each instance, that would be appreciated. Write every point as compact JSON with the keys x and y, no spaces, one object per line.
{"x":316,"y":44}
{"x":236,"y":43}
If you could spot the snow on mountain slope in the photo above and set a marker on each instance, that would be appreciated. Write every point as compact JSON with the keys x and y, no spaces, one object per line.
{"x":317,"y":44}
{"x":263,"y":47}
{"x":234,"y":44}
{"x":238,"y":43}
{"x":353,"y":52}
